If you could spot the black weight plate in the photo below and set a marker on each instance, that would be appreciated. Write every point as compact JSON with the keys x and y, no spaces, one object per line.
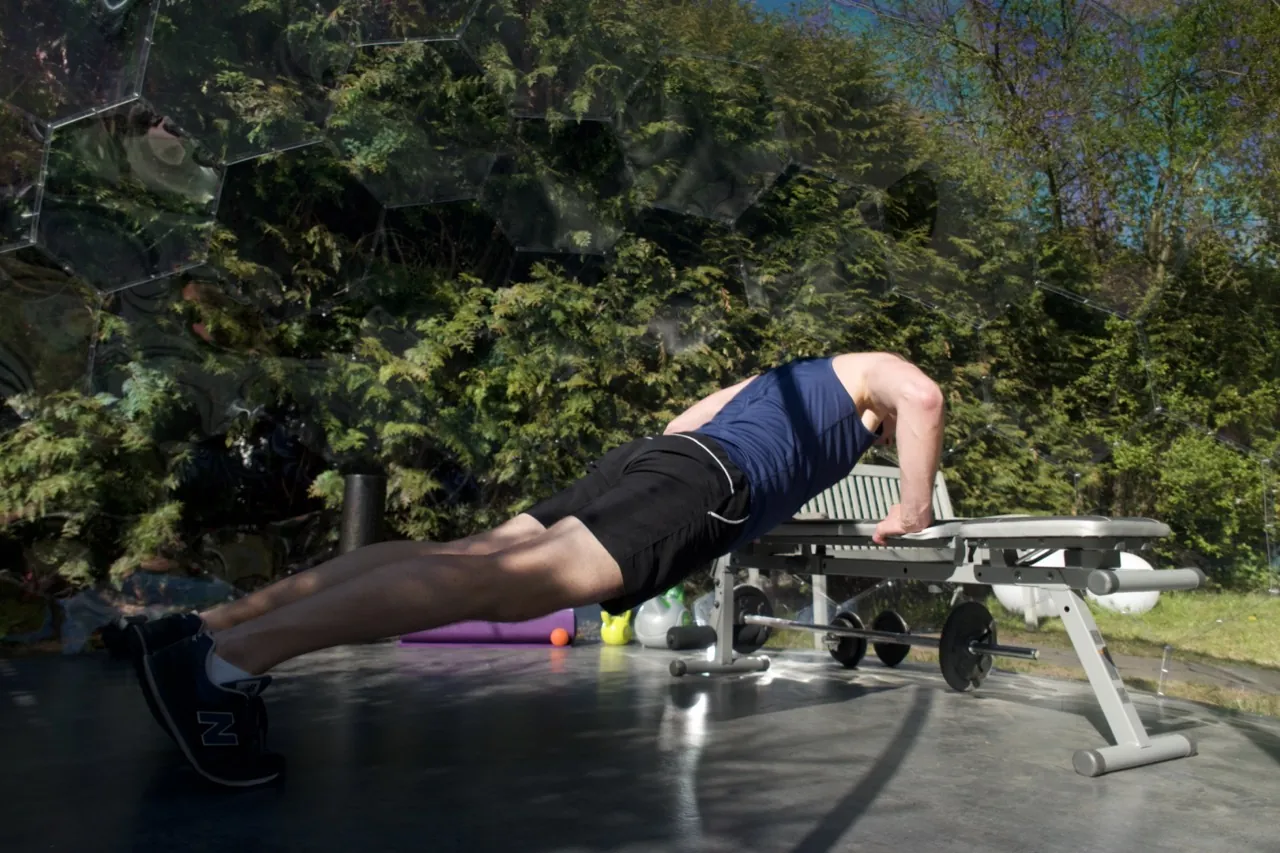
{"x":967,"y":623}
{"x":749,"y":600}
{"x":890,"y":622}
{"x":848,"y":651}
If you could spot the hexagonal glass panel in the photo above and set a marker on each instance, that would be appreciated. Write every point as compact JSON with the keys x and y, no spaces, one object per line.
{"x":449,"y":240}
{"x":47,"y":324}
{"x":791,"y":263}
{"x":416,"y":124}
{"x":1229,"y":392}
{"x":563,"y":58}
{"x":263,"y":202}
{"x":396,"y":21}
{"x":703,"y":136}
{"x":62,"y":58}
{"x":544,"y":201}
{"x":22,"y":148}
{"x":943,"y":254}
{"x":246,"y":78}
{"x":159,"y":330}
{"x":128,"y":198}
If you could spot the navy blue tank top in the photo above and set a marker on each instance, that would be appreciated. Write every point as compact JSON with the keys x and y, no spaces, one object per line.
{"x":794,"y":431}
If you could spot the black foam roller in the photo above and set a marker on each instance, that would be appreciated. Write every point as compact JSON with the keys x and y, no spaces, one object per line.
{"x":363,"y":502}
{"x":687,"y":637}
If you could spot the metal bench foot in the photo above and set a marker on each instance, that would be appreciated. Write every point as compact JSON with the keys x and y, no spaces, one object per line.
{"x":1108,"y":759}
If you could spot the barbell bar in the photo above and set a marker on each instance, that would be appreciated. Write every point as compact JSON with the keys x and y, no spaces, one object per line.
{"x":995,"y":650}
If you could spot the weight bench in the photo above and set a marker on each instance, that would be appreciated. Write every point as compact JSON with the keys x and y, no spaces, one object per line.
{"x":998,"y":550}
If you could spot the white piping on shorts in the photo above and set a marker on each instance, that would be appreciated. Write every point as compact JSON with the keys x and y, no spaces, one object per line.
{"x":713,"y":456}
{"x":717,"y":516}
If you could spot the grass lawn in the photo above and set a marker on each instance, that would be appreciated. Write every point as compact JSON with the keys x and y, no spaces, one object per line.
{"x":1217,"y":627}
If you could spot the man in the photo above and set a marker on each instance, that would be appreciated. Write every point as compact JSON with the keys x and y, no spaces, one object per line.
{"x":722,"y":474}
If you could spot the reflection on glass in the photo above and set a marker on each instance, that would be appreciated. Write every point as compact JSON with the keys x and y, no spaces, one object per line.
{"x":939,"y":258}
{"x":265,"y":201}
{"x":703,"y":137}
{"x":342,"y":400}
{"x":161,"y":330}
{"x":47,"y":324}
{"x":416,"y":123}
{"x":443,"y":242}
{"x":562,"y":58}
{"x":62,"y":58}
{"x":21,"y":162}
{"x":127,"y":198}
{"x":544,"y":200}
{"x":793,"y":267}
{"x":245,"y":79}
{"x":394,"y":21}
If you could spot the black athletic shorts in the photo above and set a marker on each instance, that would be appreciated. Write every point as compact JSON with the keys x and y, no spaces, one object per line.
{"x":662,"y":507}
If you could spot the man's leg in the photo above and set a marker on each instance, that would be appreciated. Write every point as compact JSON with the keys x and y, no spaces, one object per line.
{"x":357,"y":563}
{"x":564,"y":567}
{"x":220,"y":725}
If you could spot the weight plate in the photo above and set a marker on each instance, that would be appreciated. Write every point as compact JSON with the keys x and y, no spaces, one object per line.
{"x":848,"y":651}
{"x":749,"y":600}
{"x":890,"y":622}
{"x":967,"y":623}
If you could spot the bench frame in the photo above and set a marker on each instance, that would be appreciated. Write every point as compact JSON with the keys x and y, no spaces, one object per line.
{"x":985,"y":552}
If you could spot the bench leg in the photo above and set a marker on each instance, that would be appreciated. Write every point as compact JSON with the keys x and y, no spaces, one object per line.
{"x":722,"y":614}
{"x":1133,"y":746}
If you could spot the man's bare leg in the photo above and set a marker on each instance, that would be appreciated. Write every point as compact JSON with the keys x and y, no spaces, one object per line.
{"x":343,"y":569}
{"x":564,"y":567}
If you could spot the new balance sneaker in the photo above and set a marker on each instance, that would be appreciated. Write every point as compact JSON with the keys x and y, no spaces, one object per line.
{"x":221,"y":729}
{"x":115,"y":636}
{"x":146,"y":637}
{"x":155,"y":634}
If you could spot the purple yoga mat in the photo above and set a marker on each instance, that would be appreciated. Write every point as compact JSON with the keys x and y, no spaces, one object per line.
{"x":533,"y":631}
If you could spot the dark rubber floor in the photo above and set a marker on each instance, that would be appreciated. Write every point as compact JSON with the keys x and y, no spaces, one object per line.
{"x":597,"y":748}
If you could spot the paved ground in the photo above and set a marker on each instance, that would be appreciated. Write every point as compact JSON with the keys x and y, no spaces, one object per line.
{"x":594,"y":748}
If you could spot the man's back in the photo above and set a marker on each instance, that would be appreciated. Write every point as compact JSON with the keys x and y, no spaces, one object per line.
{"x":794,"y":431}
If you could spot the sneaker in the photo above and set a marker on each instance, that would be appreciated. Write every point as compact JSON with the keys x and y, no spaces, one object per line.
{"x":221,"y":729}
{"x":115,"y":636}
{"x":146,"y":637}
{"x":155,"y":634}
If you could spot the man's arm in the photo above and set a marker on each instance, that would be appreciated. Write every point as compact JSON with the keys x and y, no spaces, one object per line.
{"x":902,"y":388}
{"x":919,"y":439}
{"x":701,"y":412}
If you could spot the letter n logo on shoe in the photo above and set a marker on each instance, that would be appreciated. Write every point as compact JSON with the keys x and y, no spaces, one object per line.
{"x":217,"y":728}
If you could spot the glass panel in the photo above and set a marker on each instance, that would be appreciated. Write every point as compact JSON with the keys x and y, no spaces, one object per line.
{"x":1228,"y":391}
{"x":793,"y":268}
{"x":703,"y":137}
{"x":305,"y":191}
{"x":47,"y":324}
{"x":417,"y":124}
{"x":448,"y":241}
{"x":544,"y":200}
{"x":393,"y":21}
{"x":128,"y":198}
{"x":245,"y":79}
{"x":22,"y":147}
{"x":939,"y":257}
{"x":563,"y":58}
{"x":161,"y":333}
{"x":62,"y":58}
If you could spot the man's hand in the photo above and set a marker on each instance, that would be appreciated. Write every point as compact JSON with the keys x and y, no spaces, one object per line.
{"x":893,"y":525}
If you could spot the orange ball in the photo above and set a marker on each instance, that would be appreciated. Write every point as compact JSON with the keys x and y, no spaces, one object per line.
{"x":559,"y":637}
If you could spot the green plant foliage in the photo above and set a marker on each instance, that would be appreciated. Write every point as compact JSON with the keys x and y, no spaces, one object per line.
{"x":932,"y":197}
